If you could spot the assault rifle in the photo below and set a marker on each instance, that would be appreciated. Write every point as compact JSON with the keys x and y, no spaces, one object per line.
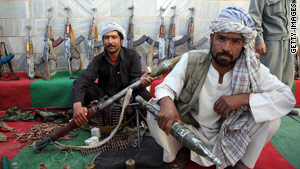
{"x":93,"y":110}
{"x":130,"y":34}
{"x":92,"y":38}
{"x":29,"y":56}
{"x":162,"y":31}
{"x":191,"y":30}
{"x":71,"y":44}
{"x":50,"y":44}
{"x":171,"y":35}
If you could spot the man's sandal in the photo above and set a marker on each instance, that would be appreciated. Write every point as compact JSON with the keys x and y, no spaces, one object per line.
{"x":181,"y":158}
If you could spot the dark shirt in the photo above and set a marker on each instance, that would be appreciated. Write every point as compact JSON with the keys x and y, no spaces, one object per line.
{"x":112,"y":78}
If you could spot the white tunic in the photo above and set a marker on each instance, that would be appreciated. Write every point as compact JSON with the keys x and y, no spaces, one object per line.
{"x":273,"y":101}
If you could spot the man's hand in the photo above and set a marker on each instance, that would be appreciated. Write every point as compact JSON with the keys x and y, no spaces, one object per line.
{"x":168,"y":114}
{"x":226,"y":104}
{"x":79,"y":115}
{"x":146,"y":81}
{"x":261,"y":48}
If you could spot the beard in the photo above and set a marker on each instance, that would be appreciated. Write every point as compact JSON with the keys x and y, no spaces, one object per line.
{"x":221,"y":61}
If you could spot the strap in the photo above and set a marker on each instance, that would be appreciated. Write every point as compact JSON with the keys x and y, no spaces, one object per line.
{"x":75,"y":47}
{"x":52,"y":52}
{"x":96,"y":37}
{"x":125,"y":103}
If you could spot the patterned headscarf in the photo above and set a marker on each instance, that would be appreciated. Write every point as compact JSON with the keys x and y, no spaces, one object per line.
{"x":233,"y":138}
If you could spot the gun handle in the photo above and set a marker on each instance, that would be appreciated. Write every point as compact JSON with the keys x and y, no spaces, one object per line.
{"x":162,"y":31}
{"x":57,"y":42}
{"x":172,"y":29}
{"x":191,"y":30}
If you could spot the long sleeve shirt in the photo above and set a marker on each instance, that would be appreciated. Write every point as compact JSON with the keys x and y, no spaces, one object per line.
{"x":112,"y":78}
{"x":273,"y":100}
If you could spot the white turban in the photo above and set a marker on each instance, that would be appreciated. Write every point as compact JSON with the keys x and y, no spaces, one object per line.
{"x":112,"y":27}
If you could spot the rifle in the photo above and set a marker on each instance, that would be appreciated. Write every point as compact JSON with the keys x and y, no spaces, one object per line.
{"x":171,"y":35}
{"x":130,"y":33}
{"x":183,"y":135}
{"x":49,"y":53}
{"x":30,"y":60}
{"x":92,"y":38}
{"x":162,"y":32}
{"x":6,"y":57}
{"x":70,"y":44}
{"x":165,"y":66}
{"x":191,"y":30}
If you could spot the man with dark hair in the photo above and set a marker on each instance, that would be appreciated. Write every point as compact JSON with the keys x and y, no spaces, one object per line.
{"x":116,"y":68}
{"x":224,"y":95}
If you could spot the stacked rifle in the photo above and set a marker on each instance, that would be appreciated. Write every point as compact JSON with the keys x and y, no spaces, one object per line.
{"x":5,"y":58}
{"x":165,"y":44}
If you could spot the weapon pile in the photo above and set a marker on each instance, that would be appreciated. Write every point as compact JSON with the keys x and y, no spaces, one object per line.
{"x":49,"y":63}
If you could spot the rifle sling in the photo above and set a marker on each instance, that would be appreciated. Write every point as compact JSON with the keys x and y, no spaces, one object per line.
{"x":52,"y":53}
{"x":76,"y":49}
{"x":96,"y":38}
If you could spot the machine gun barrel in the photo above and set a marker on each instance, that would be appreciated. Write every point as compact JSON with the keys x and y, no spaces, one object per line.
{"x":183,"y":135}
{"x":164,"y":67}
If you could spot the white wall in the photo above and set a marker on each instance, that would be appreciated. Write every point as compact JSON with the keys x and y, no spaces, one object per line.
{"x":16,"y":14}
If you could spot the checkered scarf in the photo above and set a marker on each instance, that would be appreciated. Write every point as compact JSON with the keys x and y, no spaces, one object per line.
{"x":233,"y":138}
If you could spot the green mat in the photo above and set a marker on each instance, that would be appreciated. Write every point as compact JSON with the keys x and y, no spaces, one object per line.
{"x":287,"y":140}
{"x":56,"y":92}
{"x":52,"y":158}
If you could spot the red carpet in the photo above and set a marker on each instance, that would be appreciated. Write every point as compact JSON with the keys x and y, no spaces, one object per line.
{"x":11,"y":147}
{"x":15,"y":93}
{"x":297,"y":92}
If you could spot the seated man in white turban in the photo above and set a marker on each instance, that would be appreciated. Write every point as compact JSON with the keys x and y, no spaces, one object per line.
{"x":224,"y":95}
{"x":116,"y":68}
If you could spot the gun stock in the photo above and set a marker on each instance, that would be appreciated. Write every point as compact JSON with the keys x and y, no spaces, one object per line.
{"x":57,"y":42}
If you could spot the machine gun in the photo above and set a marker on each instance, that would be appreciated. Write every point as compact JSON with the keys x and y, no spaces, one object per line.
{"x":49,"y":53}
{"x":29,"y":56}
{"x":93,"y":38}
{"x":183,"y":135}
{"x":164,"y":67}
{"x":71,"y":44}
